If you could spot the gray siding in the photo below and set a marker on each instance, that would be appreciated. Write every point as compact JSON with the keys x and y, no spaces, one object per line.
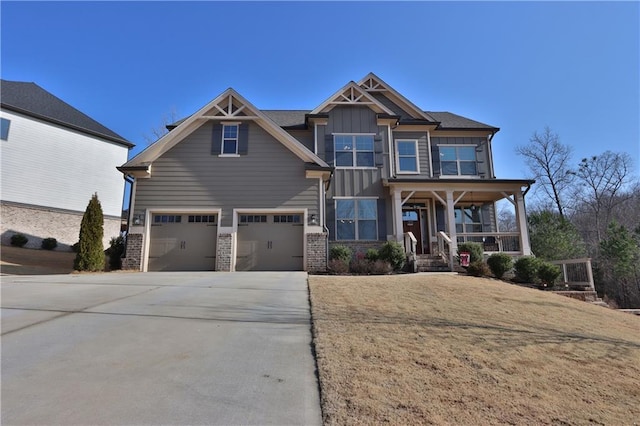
{"x":482,"y":156}
{"x":189,"y":176}
{"x":305,"y":137}
{"x":423,"y":152}
{"x":391,"y":105}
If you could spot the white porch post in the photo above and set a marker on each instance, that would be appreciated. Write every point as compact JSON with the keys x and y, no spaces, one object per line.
{"x":521,"y":217}
{"x":451,"y":223}
{"x":397,"y":215}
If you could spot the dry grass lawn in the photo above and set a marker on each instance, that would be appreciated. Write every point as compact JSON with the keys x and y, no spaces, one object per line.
{"x":452,"y":349}
{"x":24,"y":261}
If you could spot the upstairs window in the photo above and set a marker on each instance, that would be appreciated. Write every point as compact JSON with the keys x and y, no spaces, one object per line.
{"x":354,"y":151}
{"x":407,"y":156}
{"x":459,"y":160}
{"x":356,"y":219}
{"x":229,"y":139}
{"x":4,"y":128}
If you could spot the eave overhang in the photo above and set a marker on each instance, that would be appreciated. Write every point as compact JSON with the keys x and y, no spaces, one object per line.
{"x":315,"y":171}
{"x":138,"y":172}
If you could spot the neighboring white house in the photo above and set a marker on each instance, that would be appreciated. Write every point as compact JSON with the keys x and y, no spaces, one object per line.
{"x":54,"y":158}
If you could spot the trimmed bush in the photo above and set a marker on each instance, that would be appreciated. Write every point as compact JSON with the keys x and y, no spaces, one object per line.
{"x":478,"y":269}
{"x":381,"y":267}
{"x":90,"y":255}
{"x":342,"y":253}
{"x":393,"y":252}
{"x":372,"y":255}
{"x":360,"y":265}
{"x":548,"y":273}
{"x":19,"y":240}
{"x":475,"y":250}
{"x":49,"y":243}
{"x":499,"y":263}
{"x":526,"y":269}
{"x":338,"y":266}
{"x":115,"y":251}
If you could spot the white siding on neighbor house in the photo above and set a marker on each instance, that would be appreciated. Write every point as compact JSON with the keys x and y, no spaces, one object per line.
{"x":48,"y":165}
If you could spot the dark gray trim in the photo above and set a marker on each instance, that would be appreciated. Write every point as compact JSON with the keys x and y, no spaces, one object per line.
{"x":460,"y":180}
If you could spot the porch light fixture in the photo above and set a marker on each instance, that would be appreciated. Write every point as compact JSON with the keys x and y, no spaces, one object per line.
{"x":313,"y":220}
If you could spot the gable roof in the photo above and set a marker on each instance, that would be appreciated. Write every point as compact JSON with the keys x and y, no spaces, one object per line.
{"x":32,"y":100}
{"x":374,"y":84}
{"x":450,"y":121}
{"x":229,"y":106}
{"x":352,"y":94}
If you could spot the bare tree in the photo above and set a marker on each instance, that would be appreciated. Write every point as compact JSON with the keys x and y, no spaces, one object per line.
{"x":602,"y":183}
{"x":550,"y":163}
{"x":161,"y":129}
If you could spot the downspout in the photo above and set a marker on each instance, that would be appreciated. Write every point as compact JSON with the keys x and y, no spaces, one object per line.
{"x":128,"y":179}
{"x":324,"y":219}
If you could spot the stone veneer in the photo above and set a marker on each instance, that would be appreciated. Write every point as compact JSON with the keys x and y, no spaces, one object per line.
{"x":223,"y":252}
{"x":317,"y":252}
{"x":38,"y":223}
{"x":133,"y":261}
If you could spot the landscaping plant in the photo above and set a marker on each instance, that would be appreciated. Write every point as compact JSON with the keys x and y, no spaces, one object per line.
{"x":548,"y":273}
{"x":474,"y":249}
{"x":393,"y":252}
{"x":499,"y":263}
{"x":49,"y":243}
{"x":342,"y":253}
{"x":115,"y":251}
{"x":19,"y":240}
{"x":526,"y":269}
{"x":90,"y":255}
{"x":478,"y":269}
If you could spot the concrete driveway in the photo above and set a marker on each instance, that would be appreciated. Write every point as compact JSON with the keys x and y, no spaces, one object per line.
{"x":158,"y":348}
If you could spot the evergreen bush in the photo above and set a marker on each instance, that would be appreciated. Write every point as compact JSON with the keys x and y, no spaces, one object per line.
{"x":526,"y":269}
{"x":49,"y":243}
{"x":90,"y":255}
{"x":478,"y":269}
{"x":499,"y":263}
{"x":393,"y":252}
{"x":19,"y":240}
{"x":548,"y":273}
{"x":372,"y":255}
{"x":474,"y":249}
{"x":342,"y":253}
{"x":115,"y":251}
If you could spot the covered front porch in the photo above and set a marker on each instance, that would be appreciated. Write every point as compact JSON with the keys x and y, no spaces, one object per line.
{"x":433,"y":216}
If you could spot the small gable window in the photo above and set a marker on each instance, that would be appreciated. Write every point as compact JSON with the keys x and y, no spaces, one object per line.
{"x":407,"y":153}
{"x":230,"y":139}
{"x":4,"y":128}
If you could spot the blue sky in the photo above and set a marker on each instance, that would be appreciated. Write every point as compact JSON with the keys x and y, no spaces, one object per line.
{"x":572,"y":66}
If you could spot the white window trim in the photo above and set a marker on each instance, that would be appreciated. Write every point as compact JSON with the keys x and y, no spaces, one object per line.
{"x":442,"y":175}
{"x":354,"y":151}
{"x":407,"y":172}
{"x":335,"y":206}
{"x":237,"y":139}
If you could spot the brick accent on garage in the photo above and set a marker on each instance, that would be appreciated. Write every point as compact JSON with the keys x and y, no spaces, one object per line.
{"x":133,"y":260}
{"x":224,"y":252}
{"x":317,"y":252}
{"x":38,"y":223}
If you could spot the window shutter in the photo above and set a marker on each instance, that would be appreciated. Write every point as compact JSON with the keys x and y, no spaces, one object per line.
{"x":382,"y":220}
{"x":328,"y":149}
{"x":243,"y":139}
{"x":435,"y":159}
{"x":378,"y":148}
{"x":216,"y":139}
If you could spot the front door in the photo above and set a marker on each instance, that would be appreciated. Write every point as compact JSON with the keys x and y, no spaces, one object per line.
{"x":411,"y":223}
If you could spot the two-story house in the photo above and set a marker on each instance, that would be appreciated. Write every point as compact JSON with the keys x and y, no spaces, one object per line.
{"x":233,"y":187}
{"x":54,"y":158}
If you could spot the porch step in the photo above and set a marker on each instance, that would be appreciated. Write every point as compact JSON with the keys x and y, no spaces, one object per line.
{"x":430,"y":263}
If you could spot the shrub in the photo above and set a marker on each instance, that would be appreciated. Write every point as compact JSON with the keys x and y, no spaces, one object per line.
{"x":90,"y":255}
{"x":393,"y":252}
{"x":343,"y":253}
{"x":338,"y":266}
{"x":49,"y":243}
{"x":19,"y":240}
{"x":76,"y":247}
{"x":478,"y":269}
{"x":381,"y":267}
{"x":526,"y":269}
{"x":372,"y":255}
{"x":474,"y":249}
{"x":499,"y":263}
{"x":548,"y":273}
{"x":115,"y":251}
{"x":360,"y":265}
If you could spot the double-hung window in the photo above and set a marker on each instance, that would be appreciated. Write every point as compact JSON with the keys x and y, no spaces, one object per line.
{"x":354,"y":151}
{"x":4,"y":128}
{"x":458,"y":160}
{"x":229,"y":139}
{"x":407,"y":156}
{"x":356,"y":219}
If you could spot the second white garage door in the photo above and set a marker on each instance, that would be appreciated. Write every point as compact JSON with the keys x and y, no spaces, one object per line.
{"x":183,"y":242}
{"x":270,"y":242}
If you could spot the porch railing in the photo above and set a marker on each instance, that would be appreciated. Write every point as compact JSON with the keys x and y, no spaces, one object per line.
{"x":444,"y":248}
{"x":410,"y":243}
{"x":576,"y":272}
{"x":508,"y":242}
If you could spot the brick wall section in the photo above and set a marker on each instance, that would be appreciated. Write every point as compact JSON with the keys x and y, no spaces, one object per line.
{"x":38,"y":223}
{"x":223,"y":255}
{"x":133,"y":261}
{"x":317,"y":252}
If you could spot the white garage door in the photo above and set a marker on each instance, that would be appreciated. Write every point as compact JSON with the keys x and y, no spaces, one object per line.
{"x":183,"y":242}
{"x":268,"y":242}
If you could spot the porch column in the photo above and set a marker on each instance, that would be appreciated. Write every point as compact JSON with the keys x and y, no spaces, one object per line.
{"x":451,"y":224}
{"x":397,"y":216}
{"x":521,"y":217}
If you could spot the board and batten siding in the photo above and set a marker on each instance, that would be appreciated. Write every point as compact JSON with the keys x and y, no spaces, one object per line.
{"x":482,"y":154}
{"x":355,"y":182}
{"x":48,"y":165}
{"x":190,"y":176}
{"x":423,"y":153}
